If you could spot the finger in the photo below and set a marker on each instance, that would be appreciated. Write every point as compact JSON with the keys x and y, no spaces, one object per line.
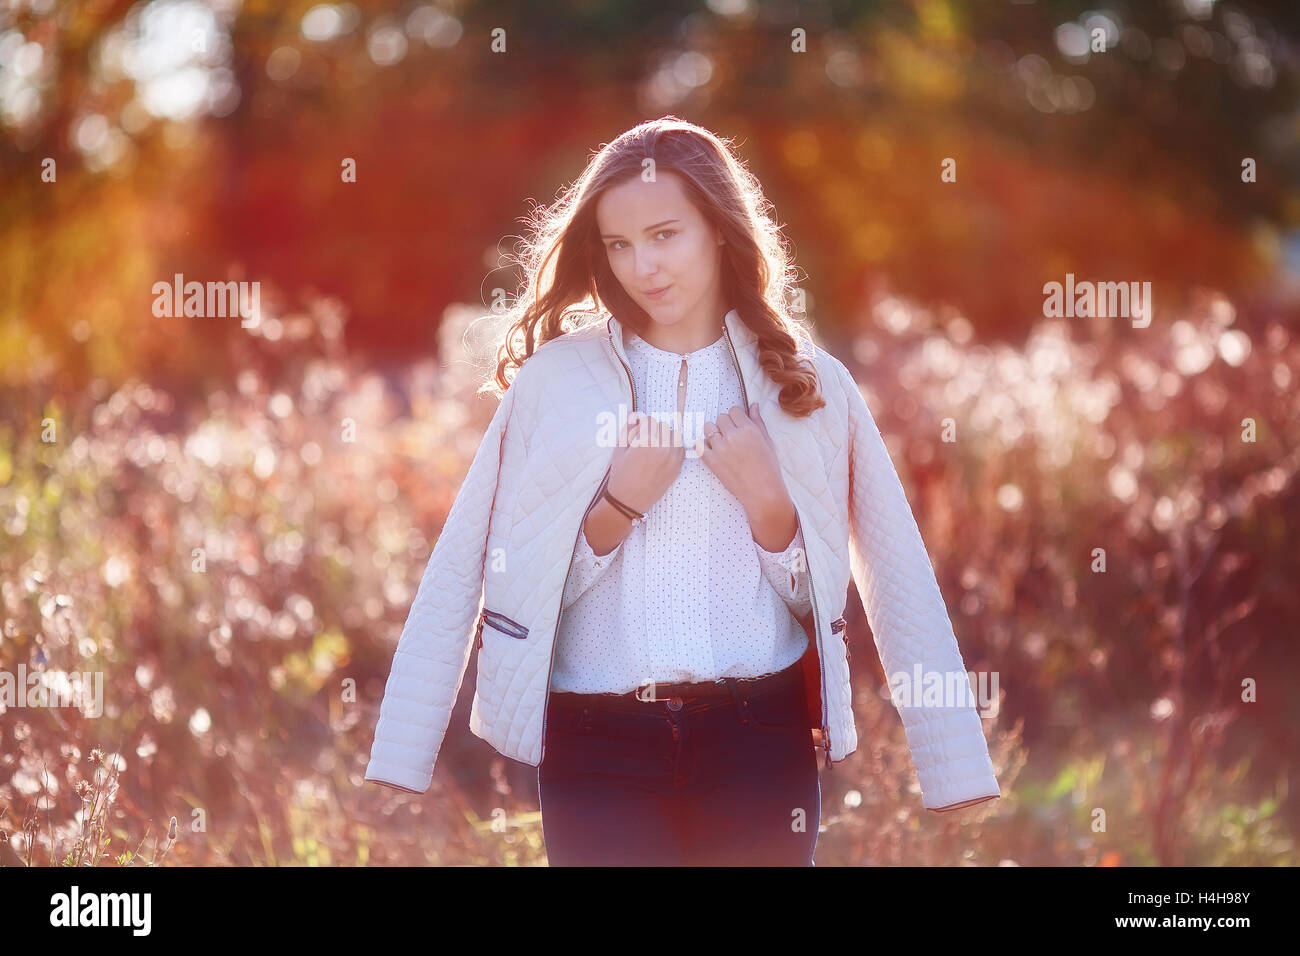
{"x":672,"y":434}
{"x":651,"y":434}
{"x":654,"y":432}
{"x":726,"y":424}
{"x":637,"y":430}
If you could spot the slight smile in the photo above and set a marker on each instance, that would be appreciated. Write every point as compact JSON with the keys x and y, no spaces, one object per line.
{"x":658,"y":293}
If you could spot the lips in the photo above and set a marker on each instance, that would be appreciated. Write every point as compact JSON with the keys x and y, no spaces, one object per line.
{"x":656,"y":293}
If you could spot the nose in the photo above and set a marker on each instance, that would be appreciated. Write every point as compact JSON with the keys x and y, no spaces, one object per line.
{"x":646,"y":265}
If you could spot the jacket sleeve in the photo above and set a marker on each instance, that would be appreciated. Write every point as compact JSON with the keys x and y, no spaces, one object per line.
{"x":787,"y":572}
{"x":909,"y":622}
{"x":433,"y":650}
{"x":587,"y":567}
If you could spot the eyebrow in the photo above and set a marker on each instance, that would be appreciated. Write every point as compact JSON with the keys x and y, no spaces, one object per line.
{"x":647,"y":229}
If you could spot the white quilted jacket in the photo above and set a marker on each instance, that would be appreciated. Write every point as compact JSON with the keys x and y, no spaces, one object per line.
{"x":498,"y":570}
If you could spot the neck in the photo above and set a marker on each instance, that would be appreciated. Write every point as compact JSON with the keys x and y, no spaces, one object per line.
{"x":682,"y":338}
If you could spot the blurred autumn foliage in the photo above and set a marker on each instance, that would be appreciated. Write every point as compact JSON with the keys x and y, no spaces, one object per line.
{"x":229,"y":523}
{"x":226,"y":161}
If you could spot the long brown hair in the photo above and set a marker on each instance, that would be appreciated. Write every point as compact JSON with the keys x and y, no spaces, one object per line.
{"x":566,"y":274}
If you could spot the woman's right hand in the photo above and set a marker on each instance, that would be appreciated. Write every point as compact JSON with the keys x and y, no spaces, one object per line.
{"x":648,"y":457}
{"x":646,"y":462}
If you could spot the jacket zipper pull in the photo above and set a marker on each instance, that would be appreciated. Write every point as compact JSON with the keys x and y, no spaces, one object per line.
{"x":479,"y":634}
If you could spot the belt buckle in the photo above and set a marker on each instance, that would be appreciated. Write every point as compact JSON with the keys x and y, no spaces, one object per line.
{"x":649,"y":692}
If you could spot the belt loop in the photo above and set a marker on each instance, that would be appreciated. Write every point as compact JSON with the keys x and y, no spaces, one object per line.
{"x":742,"y":705}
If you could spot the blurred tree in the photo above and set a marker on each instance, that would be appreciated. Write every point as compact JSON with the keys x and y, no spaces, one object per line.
{"x":209,"y":140}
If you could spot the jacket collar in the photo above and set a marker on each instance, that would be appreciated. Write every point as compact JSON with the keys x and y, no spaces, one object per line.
{"x":742,"y":339}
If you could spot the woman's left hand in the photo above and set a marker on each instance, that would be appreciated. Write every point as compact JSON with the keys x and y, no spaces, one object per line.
{"x":738,"y":449}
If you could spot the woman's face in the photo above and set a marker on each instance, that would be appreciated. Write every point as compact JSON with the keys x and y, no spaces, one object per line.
{"x":655,"y":239}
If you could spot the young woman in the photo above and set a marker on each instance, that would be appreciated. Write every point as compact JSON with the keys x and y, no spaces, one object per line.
{"x":662,"y":520}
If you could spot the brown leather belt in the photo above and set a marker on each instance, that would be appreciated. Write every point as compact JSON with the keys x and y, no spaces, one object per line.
{"x":676,"y":695}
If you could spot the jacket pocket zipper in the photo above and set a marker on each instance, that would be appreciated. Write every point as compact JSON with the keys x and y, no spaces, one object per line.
{"x":500,"y":623}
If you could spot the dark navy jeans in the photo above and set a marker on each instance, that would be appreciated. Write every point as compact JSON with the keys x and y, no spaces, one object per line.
{"x":717,"y":781}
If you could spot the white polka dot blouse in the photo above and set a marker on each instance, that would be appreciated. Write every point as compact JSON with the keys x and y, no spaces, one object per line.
{"x":689,"y":595}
